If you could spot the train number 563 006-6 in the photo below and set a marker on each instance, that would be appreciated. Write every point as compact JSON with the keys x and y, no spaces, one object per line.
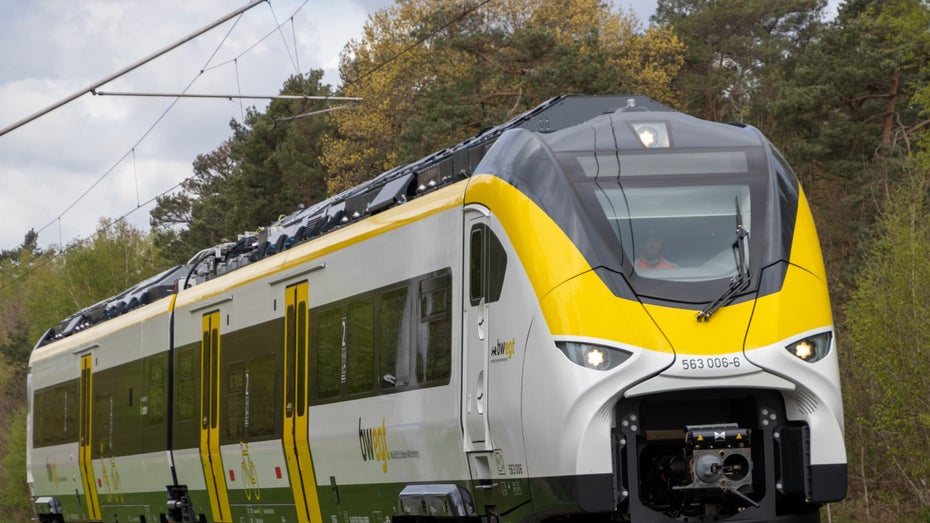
{"x":715,"y":362}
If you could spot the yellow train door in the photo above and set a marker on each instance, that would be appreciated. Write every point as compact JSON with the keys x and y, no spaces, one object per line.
{"x":296,"y":412}
{"x":85,"y":441}
{"x":210,"y":418}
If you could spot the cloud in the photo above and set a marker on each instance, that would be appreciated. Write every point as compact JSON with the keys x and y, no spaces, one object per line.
{"x":135,"y":148}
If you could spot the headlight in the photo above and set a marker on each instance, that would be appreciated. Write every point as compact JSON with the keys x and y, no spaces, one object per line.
{"x":597,"y":357}
{"x":812,"y":348}
{"x":652,"y":134}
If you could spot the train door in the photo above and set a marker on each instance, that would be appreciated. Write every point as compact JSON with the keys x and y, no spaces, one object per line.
{"x":296,"y":412}
{"x":85,"y":453}
{"x":475,"y":337}
{"x":209,"y":418}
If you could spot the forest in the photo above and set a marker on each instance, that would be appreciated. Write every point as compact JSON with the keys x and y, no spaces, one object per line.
{"x":845,"y":97}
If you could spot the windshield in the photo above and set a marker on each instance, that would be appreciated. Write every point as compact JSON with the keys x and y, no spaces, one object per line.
{"x":659,"y":222}
{"x":679,"y":233}
{"x":668,"y":219}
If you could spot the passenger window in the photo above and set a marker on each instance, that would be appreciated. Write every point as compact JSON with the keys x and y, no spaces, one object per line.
{"x":260,"y":383}
{"x":360,"y":357}
{"x":249,"y":392}
{"x":329,"y":353}
{"x":155,"y":393}
{"x":434,"y":350}
{"x":55,"y":415}
{"x":395,"y":339}
{"x":235,"y":400}
{"x":186,"y":394}
{"x":70,"y":429}
{"x":103,"y":431}
{"x":389,"y":339}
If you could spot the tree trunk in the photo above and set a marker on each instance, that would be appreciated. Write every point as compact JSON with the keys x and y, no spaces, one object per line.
{"x":890,"y":109}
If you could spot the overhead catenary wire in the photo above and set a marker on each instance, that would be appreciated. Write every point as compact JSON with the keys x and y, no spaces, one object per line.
{"x":390,"y":59}
{"x":243,"y":53}
{"x":103,"y":228}
{"x":320,"y":111}
{"x":176,"y":98}
{"x":138,"y":142}
{"x":94,"y":87}
{"x":234,"y":96}
{"x":294,"y":39}
{"x":284,"y":38}
{"x":128,"y":69}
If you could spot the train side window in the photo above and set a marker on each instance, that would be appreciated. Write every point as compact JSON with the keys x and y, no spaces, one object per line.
{"x":476,"y":264}
{"x":102,"y":423}
{"x":394,"y":338}
{"x":235,"y":400}
{"x":70,"y":428}
{"x":434,"y":347}
{"x":155,"y":392}
{"x":496,"y":267}
{"x":360,"y":358}
{"x":55,"y":412}
{"x":43,"y":419}
{"x":260,"y":387}
{"x":329,"y":353}
{"x":386,"y":340}
{"x":186,"y":388}
{"x":487,"y":265}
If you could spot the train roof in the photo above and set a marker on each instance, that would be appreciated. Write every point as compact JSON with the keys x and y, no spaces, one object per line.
{"x":391,"y":188}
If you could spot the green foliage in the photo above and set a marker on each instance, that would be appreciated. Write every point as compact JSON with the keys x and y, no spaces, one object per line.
{"x":15,"y":500}
{"x":269,"y":167}
{"x":737,"y":53}
{"x":850,"y":98}
{"x":847,"y":100}
{"x":887,"y":354}
{"x":39,"y":291}
{"x":432,"y":73}
{"x":30,"y":245}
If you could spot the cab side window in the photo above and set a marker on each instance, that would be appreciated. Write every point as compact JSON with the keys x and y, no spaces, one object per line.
{"x":487,"y":265}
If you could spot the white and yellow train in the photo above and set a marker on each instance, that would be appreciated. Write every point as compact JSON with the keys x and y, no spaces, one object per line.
{"x":615,"y":312}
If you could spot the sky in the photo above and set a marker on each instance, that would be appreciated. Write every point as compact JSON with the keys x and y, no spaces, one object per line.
{"x":108,"y":156}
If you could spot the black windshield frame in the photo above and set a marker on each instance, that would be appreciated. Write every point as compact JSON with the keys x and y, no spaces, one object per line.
{"x":535,"y":164}
{"x":619,"y":255}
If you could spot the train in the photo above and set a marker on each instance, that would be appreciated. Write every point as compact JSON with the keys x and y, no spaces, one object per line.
{"x":603,"y":309}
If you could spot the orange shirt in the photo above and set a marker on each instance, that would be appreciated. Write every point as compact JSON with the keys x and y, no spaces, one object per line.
{"x":661,"y":264}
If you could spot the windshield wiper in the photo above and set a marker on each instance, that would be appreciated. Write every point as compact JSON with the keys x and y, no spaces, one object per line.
{"x":740,"y":281}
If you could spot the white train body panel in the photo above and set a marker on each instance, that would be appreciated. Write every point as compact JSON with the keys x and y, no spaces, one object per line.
{"x":492,"y":349}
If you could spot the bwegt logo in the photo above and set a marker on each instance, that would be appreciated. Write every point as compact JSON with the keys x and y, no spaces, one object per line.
{"x":503,"y":348}
{"x":373,"y":443}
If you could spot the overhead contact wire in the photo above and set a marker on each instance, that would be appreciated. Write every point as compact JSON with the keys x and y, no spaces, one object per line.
{"x":144,"y":135}
{"x":106,"y":227}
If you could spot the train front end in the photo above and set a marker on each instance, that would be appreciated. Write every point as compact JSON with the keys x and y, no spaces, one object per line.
{"x":683,"y":364}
